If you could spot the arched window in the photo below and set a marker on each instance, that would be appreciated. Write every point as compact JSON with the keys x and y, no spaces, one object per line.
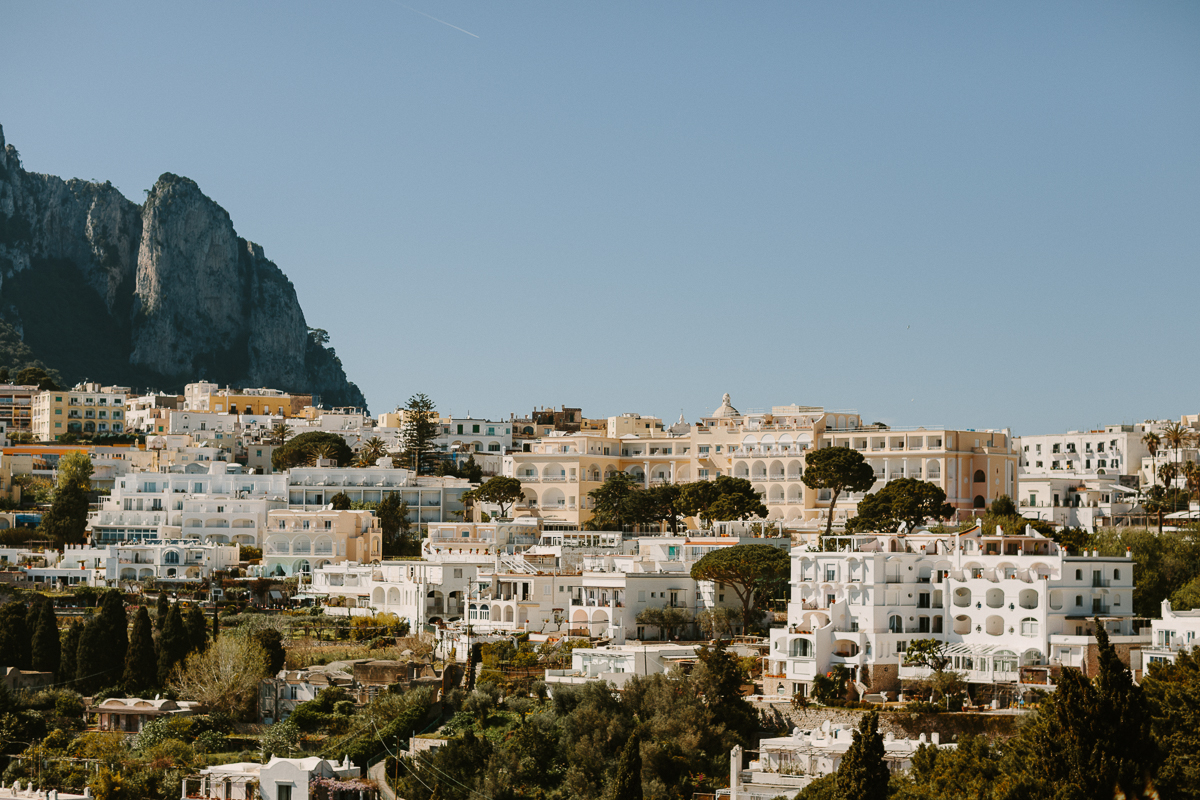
{"x":895,"y":624}
{"x":801,"y":648}
{"x":1029,"y":627}
{"x":980,"y":477}
{"x":980,"y":502}
{"x":1116,"y":574}
{"x":171,"y":557}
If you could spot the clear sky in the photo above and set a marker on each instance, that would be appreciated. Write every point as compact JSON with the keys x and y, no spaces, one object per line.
{"x":978,"y":215}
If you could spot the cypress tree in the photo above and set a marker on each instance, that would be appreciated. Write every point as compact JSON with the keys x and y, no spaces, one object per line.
{"x":863,"y":774}
{"x":91,"y":662}
{"x":33,"y":612}
{"x":47,"y":652}
{"x":173,"y":645}
{"x":627,"y":782}
{"x":14,"y":636}
{"x":161,"y":608}
{"x":197,"y":629}
{"x":70,"y":645}
{"x":141,"y":662}
{"x":115,"y":627}
{"x":271,"y":642}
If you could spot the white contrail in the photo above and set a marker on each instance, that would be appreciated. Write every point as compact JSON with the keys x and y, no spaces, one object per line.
{"x":435,"y":19}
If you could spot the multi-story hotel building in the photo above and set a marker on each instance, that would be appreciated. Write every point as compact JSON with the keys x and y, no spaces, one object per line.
{"x":203,"y":396}
{"x":16,"y":407}
{"x":768,"y":449}
{"x":1010,"y":609}
{"x":89,"y":409}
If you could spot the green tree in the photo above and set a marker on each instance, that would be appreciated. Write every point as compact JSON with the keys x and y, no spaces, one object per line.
{"x":930,"y":653}
{"x":1097,"y":730}
{"x":726,"y":498}
{"x":279,"y":434}
{"x":141,"y":662}
{"x":1187,"y":597}
{"x":91,"y":662}
{"x":162,"y":607}
{"x":626,"y":783}
{"x":1162,"y":565}
{"x":471,"y":470}
{"x":837,"y":469}
{"x":904,"y":500}
{"x":662,"y":505}
{"x":500,"y":491}
{"x":298,"y":450}
{"x":173,"y":645}
{"x":46,"y":647}
{"x":419,"y":431}
{"x":751,"y":570}
{"x":1003,"y":506}
{"x":271,"y":642}
{"x":114,"y":627}
{"x":75,"y":469}
{"x":70,"y":647}
{"x":340,"y":501}
{"x":197,"y":629}
{"x":14,"y":636}
{"x":614,"y":502}
{"x":392,"y":513}
{"x":372,"y":450}
{"x":718,"y":678}
{"x":36,"y":376}
{"x":863,"y":774}
{"x":66,"y":520}
{"x":1173,"y":693}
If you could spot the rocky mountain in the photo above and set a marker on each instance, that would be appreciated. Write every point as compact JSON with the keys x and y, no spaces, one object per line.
{"x":152,"y":295}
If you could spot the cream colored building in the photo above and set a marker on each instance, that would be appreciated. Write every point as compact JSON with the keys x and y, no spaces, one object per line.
{"x":297,"y":542}
{"x":204,"y":396}
{"x":88,"y":410}
{"x":766,"y":448}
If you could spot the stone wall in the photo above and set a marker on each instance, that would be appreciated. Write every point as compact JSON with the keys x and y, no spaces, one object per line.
{"x":901,"y":724}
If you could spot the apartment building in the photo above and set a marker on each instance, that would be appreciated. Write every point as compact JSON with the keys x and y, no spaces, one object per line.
{"x":1010,"y":609}
{"x":163,"y":560}
{"x":219,"y":425}
{"x":298,"y":542}
{"x":88,"y":409}
{"x":766,"y":448}
{"x":1174,"y":633}
{"x":16,"y":407}
{"x":218,"y":505}
{"x":430,"y":499}
{"x":204,"y":396}
{"x":1081,"y":479}
{"x":150,"y":413}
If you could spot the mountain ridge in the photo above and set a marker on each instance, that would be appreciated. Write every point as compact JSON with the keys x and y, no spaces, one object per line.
{"x":156,"y":294}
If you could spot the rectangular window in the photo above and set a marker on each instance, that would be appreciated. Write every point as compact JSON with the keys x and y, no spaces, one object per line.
{"x":283,"y":791}
{"x":460,"y":428}
{"x":474,"y":429}
{"x":491,"y":431}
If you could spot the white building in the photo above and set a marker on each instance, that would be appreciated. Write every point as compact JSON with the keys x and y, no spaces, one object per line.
{"x":1177,"y":631}
{"x":429,"y":499}
{"x":165,"y":560}
{"x":299,"y":541}
{"x":1081,"y":479}
{"x":278,"y":779}
{"x":151,"y":506}
{"x":618,"y":663}
{"x":1009,"y":608}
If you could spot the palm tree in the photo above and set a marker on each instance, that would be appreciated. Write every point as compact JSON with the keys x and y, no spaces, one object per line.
{"x":1177,"y":437}
{"x":1191,"y":473}
{"x":280,"y":433}
{"x":1152,"y":443}
{"x":373,"y":449}
{"x":320,"y":451}
{"x":1168,"y":472}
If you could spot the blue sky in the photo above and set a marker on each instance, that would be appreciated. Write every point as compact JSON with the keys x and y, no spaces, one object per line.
{"x":934,"y":213}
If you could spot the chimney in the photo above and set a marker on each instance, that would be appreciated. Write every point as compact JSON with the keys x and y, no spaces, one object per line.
{"x":935,"y":738}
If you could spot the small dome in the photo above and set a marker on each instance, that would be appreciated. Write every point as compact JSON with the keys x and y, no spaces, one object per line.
{"x":726,"y":409}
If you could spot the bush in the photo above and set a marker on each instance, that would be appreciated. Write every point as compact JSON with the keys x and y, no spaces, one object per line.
{"x":209,"y":742}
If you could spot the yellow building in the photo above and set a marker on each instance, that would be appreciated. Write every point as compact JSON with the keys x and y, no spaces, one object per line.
{"x":89,"y":409}
{"x":766,"y":448}
{"x":203,"y":396}
{"x":16,"y":407}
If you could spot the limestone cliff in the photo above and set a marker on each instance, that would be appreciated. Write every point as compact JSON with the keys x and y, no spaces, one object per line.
{"x":152,"y":295}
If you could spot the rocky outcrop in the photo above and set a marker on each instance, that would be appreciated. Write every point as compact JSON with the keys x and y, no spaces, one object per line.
{"x":162,"y":293}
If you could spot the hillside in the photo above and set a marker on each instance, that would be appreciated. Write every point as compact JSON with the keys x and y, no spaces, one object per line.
{"x":152,"y":295}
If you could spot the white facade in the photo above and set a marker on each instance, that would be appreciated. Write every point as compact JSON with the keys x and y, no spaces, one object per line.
{"x":429,"y":499}
{"x":997,"y":603}
{"x":1176,"y":632}
{"x":618,"y":663}
{"x":169,"y":560}
{"x":152,"y":505}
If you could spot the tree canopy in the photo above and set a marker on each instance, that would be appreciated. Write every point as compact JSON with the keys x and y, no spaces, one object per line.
{"x":726,"y":498}
{"x":500,"y":491}
{"x":838,"y":469}
{"x":751,"y":570}
{"x":904,"y":500}
{"x":298,"y":450}
{"x":419,"y":431}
